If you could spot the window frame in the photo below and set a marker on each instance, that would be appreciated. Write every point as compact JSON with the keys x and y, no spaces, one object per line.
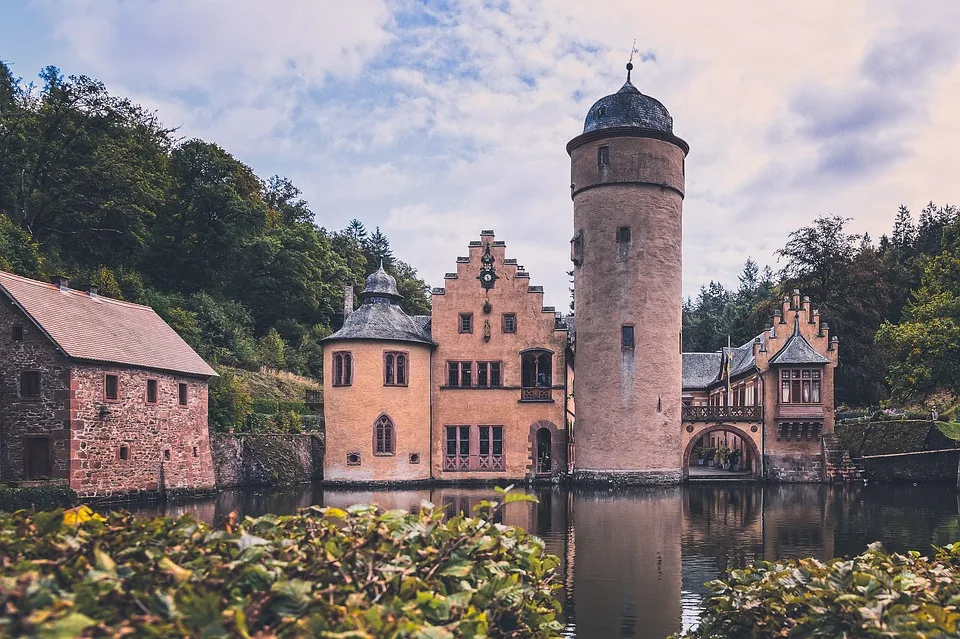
{"x":487,"y":368}
{"x":183,"y":394}
{"x":469,"y":325}
{"x":156,"y":392}
{"x":536,"y":354}
{"x":503,"y":323}
{"x":16,"y":333}
{"x":396,"y":355}
{"x":623,"y":235}
{"x":106,"y":390}
{"x":797,"y":383}
{"x":389,"y":438}
{"x":623,"y":337}
{"x":603,"y":156}
{"x":39,"y":378}
{"x":343,"y":377}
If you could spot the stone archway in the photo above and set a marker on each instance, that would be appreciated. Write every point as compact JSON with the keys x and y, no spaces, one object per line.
{"x":545,"y":432}
{"x":745,"y":437}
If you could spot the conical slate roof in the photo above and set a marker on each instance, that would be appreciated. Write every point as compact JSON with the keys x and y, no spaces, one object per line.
{"x":628,"y":108}
{"x":380,"y":317}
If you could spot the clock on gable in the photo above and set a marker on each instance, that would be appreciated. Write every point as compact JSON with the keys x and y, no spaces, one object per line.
{"x":487,"y":275}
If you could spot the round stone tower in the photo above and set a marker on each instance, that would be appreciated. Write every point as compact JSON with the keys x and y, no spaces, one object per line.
{"x":627,"y":172}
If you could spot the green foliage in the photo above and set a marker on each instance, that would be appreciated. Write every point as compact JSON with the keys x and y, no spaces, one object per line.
{"x":359,"y":573}
{"x":39,"y":497}
{"x":94,"y":187}
{"x":872,"y":595}
{"x":229,"y":401}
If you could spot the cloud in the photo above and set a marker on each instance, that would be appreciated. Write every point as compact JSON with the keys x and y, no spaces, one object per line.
{"x":437,"y":120}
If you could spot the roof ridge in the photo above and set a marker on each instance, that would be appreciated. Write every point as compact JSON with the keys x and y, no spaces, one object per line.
{"x":72,"y":291}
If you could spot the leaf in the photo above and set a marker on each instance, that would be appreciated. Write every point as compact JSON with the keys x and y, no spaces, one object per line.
{"x":177,"y":572}
{"x":247,"y":541}
{"x":459,"y":569}
{"x":76,"y":516}
{"x":511,"y":498}
{"x":66,"y":627}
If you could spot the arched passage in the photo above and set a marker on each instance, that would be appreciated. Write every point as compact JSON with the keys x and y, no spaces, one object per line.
{"x":719,"y":437}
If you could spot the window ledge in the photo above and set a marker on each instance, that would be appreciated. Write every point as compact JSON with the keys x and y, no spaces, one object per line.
{"x":536,"y":401}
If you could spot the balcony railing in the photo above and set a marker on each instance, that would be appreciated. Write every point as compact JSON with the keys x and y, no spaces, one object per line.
{"x":537,"y":394}
{"x":722,"y":413}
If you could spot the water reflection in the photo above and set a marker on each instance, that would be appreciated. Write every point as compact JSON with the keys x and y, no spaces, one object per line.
{"x":634,"y":562}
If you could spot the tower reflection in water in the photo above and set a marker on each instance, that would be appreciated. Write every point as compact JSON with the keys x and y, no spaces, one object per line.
{"x":634,"y":561}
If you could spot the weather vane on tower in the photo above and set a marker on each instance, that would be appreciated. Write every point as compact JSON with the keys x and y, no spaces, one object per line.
{"x":633,"y":49}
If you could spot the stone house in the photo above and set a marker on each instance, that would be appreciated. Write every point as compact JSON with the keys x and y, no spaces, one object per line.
{"x":771,"y":398}
{"x":99,"y":394}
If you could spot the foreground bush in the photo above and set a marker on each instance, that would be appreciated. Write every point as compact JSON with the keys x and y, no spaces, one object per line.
{"x":872,"y":595}
{"x":322,"y":573}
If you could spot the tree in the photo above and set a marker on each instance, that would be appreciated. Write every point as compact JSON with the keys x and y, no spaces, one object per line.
{"x":924,"y":348}
{"x":230,"y":401}
{"x":377,"y":250}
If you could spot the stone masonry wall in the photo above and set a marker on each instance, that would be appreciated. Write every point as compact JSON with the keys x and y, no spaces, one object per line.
{"x":167,"y":445}
{"x":266,"y":459}
{"x":22,"y":417}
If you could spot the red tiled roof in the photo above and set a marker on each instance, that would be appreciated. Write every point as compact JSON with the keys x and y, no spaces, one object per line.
{"x":103,"y":329}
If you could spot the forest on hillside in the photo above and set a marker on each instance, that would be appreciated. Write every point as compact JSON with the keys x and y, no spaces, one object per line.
{"x":94,"y":186}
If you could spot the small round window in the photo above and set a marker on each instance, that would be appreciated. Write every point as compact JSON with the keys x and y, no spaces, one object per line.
{"x":414,"y":458}
{"x":353,"y":459}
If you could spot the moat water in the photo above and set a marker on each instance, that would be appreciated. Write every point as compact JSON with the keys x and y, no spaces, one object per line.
{"x":635,"y":561}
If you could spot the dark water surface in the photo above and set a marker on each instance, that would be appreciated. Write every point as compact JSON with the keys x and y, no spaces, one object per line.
{"x":635,"y":561}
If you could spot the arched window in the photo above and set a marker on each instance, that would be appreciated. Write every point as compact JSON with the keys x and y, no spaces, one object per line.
{"x":342,"y":369}
{"x":384,"y":436}
{"x":395,"y":368}
{"x":536,"y":369}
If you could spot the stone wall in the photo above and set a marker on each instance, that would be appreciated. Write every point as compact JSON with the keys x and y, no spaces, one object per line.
{"x":266,"y":459}
{"x":44,"y":417}
{"x":799,"y":467}
{"x":932,"y":467}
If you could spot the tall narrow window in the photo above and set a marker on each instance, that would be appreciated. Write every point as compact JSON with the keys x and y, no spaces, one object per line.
{"x":394,"y":368}
{"x":484,"y":448}
{"x":383,"y":436}
{"x":182,"y":394}
{"x":466,"y":323}
{"x":576,"y":248}
{"x":342,"y":368}
{"x":453,"y":373}
{"x":603,"y":156}
{"x":498,"y":441}
{"x":483,"y":369}
{"x":17,"y":334}
{"x":626,"y":337}
{"x":111,"y":388}
{"x":457,"y":448}
{"x":509,"y":322}
{"x":623,"y":235}
{"x":495,"y":374}
{"x":29,"y":384}
{"x":465,"y":370}
{"x":151,"y":391}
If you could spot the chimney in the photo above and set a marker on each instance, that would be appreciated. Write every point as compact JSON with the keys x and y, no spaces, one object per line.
{"x":62,"y":282}
{"x":795,"y":301}
{"x":347,"y":300}
{"x":834,"y":342}
{"x":815,"y":316}
{"x":824,"y":328}
{"x":90,"y":289}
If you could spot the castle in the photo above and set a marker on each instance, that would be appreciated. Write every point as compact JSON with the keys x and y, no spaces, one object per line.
{"x":106,"y":398}
{"x":494,"y":385}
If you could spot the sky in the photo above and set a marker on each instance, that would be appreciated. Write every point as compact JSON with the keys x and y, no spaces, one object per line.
{"x":435,"y":120}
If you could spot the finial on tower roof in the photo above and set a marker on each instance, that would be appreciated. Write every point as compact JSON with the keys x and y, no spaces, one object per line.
{"x":633,"y":49}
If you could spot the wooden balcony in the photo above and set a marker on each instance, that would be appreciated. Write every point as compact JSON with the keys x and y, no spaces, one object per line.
{"x":722,"y":413}
{"x":799,"y":411}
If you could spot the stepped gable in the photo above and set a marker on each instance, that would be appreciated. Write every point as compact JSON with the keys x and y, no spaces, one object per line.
{"x":88,"y":326}
{"x":380,"y":317}
{"x":797,"y":350}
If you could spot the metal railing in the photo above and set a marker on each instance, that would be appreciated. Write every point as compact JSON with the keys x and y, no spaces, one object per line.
{"x":722,"y":413}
